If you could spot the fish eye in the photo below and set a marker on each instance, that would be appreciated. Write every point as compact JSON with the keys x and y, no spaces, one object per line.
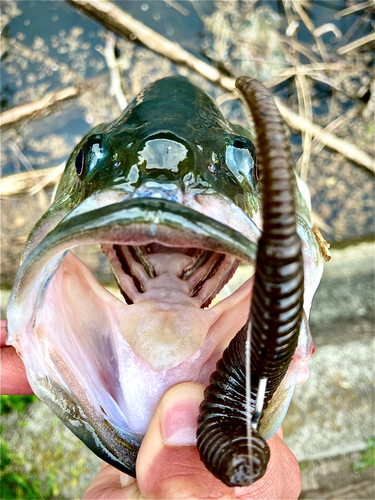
{"x":80,"y":163}
{"x":239,"y":144}
{"x":89,"y":155}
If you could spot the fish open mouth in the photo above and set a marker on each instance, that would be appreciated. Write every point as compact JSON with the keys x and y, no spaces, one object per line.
{"x":101,"y":363}
{"x":169,"y":290}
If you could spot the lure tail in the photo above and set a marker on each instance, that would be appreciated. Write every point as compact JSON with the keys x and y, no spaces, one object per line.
{"x":275,"y":316}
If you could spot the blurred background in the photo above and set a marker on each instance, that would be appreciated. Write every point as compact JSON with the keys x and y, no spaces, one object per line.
{"x":63,"y":72}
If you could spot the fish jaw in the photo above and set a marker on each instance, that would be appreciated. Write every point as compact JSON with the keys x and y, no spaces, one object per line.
{"x":54,"y":335}
{"x":72,"y":333}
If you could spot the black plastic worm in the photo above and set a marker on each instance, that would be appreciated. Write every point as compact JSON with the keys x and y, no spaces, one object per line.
{"x":275,"y":316}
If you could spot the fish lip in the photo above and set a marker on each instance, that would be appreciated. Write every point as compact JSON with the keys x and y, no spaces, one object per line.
{"x":154,"y":217}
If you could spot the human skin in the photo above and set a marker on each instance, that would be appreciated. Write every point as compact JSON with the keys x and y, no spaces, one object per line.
{"x":13,"y":380}
{"x":168,"y":464}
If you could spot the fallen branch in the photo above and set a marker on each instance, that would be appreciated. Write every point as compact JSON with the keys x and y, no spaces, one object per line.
{"x":122,"y":23}
{"x":37,"y":108}
{"x":342,"y":146}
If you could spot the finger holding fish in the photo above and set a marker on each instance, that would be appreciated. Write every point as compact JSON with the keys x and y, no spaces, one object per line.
{"x":168,"y":463}
{"x":13,"y":376}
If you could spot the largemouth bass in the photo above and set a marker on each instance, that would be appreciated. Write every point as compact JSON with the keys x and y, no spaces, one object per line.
{"x":178,"y":198}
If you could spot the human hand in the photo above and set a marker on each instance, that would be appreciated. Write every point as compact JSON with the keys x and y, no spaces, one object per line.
{"x":168,"y":464}
{"x":13,"y":379}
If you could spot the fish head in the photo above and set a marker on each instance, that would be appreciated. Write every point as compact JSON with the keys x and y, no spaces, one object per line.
{"x":170,"y":191}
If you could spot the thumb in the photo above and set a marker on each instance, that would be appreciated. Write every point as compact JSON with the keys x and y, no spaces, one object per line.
{"x":168,"y":463}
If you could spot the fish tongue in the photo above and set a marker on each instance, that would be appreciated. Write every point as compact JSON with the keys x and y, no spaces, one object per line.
{"x":164,"y":335}
{"x":165,"y":326}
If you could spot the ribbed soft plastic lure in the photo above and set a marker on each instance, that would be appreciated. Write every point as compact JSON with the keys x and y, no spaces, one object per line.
{"x":176,"y":197}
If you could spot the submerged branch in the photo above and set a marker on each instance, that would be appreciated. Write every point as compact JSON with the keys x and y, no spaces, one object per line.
{"x":122,"y":23}
{"x":115,"y":19}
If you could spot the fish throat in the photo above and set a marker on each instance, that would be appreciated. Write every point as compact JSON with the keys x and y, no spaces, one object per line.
{"x":168,"y":289}
{"x":190,"y":272}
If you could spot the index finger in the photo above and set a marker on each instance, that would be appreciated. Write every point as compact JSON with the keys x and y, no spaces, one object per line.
{"x":13,"y":379}
{"x":3,"y":328}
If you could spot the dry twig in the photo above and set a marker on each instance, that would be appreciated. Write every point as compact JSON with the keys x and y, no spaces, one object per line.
{"x":21,"y":158}
{"x":314,"y":71}
{"x":353,"y":8}
{"x":114,"y":73}
{"x":356,"y":44}
{"x":52,"y":178}
{"x":30,"y":182}
{"x":120,"y":22}
{"x":342,"y":146}
{"x":39,"y":108}
{"x":310,"y":26}
{"x":301,"y":48}
{"x":303,"y":96}
{"x":326,"y":28}
{"x":317,"y":146}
